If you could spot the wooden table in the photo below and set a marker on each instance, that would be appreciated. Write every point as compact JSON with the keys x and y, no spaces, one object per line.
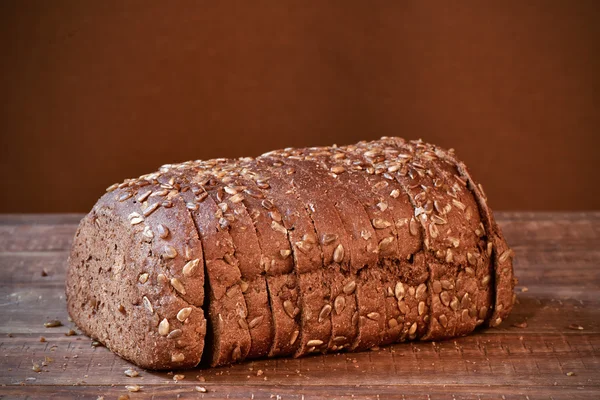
{"x":548,"y":348}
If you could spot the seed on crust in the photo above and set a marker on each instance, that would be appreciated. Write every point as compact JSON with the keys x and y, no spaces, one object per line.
{"x":471,"y":258}
{"x":288,"y":307}
{"x":174,"y":334}
{"x":438,"y":220}
{"x":443,"y":320}
{"x":504,"y":256}
{"x":325,"y":311}
{"x":349,"y":287}
{"x":176,"y":283}
{"x":454,"y":303}
{"x":244,"y":286}
{"x":256,"y":321}
{"x":413,"y":227}
{"x":395,"y":193}
{"x":143,"y":278}
{"x":433,"y":231}
{"x":285,"y":253}
{"x":338,"y":254}
{"x":148,"y":232}
{"x":392,"y":323}
{"x":190,"y":267}
{"x":136,"y":220}
{"x":141,"y":198}
{"x":380,"y":223}
{"x":294,"y":337}
{"x":445,"y":298}
{"x":489,"y":249}
{"x":483,"y":312}
{"x":163,"y":327}
{"x":147,"y":304}
{"x":236,"y":354}
{"x":170,"y":251}
{"x":437,"y":287}
{"x":421,"y":289}
{"x":459,"y":205}
{"x":385,"y":243}
{"x":449,"y":256}
{"x":314,"y":343}
{"x":337,"y":169}
{"x":124,"y":196}
{"x":328,"y":238}
{"x":276,"y":226}
{"x":446,"y":284}
{"x":339,"y":304}
{"x":237,"y":198}
{"x":184,"y":313}
{"x":177,"y":357}
{"x":413,"y":329}
{"x":485,"y":280}
{"x":399,"y":290}
{"x":421,"y":308}
{"x":162,"y":231}
{"x":373,"y":316}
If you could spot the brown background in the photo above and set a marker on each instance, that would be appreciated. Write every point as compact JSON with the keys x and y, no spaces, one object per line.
{"x":93,"y":92}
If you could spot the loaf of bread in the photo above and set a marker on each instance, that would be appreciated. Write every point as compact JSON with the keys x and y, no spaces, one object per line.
{"x":295,"y":252}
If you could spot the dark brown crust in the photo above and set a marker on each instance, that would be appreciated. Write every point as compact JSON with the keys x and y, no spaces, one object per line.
{"x":282,"y":255}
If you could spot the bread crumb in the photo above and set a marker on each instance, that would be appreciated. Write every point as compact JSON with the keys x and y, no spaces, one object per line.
{"x":201,"y":389}
{"x":575,"y":327}
{"x":259,"y":372}
{"x":178,"y":377}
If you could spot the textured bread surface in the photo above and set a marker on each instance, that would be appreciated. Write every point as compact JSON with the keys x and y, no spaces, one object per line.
{"x":297,"y":251}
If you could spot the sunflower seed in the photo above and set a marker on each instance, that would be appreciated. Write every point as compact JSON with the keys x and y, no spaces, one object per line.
{"x":236,"y":354}
{"x":328,"y":238}
{"x":365,"y":234}
{"x":147,"y":304}
{"x":465,"y":301}
{"x":349,"y":287}
{"x":256,"y":321}
{"x":395,"y":193}
{"x":243,"y":324}
{"x":163,"y":327}
{"x":339,"y":304}
{"x":162,"y":230}
{"x":132,"y":373}
{"x":148,"y":232}
{"x":392,"y":323}
{"x":443,"y":320}
{"x":143,"y":278}
{"x":445,"y":298}
{"x":470,"y":271}
{"x":413,"y":329}
{"x":471,"y":258}
{"x":144,"y":196}
{"x":421,"y":289}
{"x":285,"y":253}
{"x":483,"y":312}
{"x":433,"y":231}
{"x":136,"y":220}
{"x":288,"y":307}
{"x":176,"y":283}
{"x":275,"y":216}
{"x":276,"y":226}
{"x":421,"y":307}
{"x":486,"y":280}
{"x":52,"y":324}
{"x":174,"y":334}
{"x":236,"y":198}
{"x":184,"y":313}
{"x":325,"y":311}
{"x":170,"y":251}
{"x":177,"y":357}
{"x":337,"y":169}
{"x":413,"y":227}
{"x":244,"y":286}
{"x":449,"y":256}
{"x":399,"y":291}
{"x":379,"y":223}
{"x":504,"y":256}
{"x":373,"y":316}
{"x":459,"y":205}
{"x":133,"y":388}
{"x":454,"y":303}
{"x":294,"y":337}
{"x":453,"y":241}
{"x":437,"y":287}
{"x":314,"y":343}
{"x":446,"y":284}
{"x":124,"y":196}
{"x":382,"y":206}
{"x":489,"y":249}
{"x":266,"y":203}
{"x":338,"y":254}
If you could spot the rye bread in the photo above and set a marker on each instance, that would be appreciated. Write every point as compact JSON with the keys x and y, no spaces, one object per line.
{"x":448,"y":268}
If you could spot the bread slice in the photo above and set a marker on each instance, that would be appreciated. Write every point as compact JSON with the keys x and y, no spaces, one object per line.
{"x":119,"y":283}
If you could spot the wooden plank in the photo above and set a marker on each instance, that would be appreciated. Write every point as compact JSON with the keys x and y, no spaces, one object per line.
{"x":557,"y":261}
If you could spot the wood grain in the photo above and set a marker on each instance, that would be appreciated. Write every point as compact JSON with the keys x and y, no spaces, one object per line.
{"x":557,"y":262}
